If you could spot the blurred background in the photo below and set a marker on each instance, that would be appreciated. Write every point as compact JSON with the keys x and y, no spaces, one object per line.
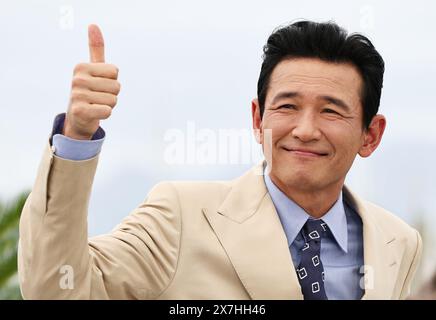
{"x":189,"y":71}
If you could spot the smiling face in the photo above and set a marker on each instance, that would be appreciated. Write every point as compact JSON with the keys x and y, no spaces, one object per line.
{"x":314,"y":111}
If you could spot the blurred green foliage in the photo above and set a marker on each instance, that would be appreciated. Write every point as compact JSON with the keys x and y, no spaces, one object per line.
{"x":9,"y":221}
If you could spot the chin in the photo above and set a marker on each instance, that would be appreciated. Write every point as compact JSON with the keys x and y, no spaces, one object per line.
{"x":303,"y":184}
{"x":300,"y":180}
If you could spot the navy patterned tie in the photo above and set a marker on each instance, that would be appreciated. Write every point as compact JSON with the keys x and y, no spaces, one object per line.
{"x":310,"y":272}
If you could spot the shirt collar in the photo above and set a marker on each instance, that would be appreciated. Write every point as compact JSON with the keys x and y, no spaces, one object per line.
{"x":293,"y":217}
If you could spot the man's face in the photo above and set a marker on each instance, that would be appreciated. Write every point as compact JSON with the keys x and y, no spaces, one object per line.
{"x":314,"y":111}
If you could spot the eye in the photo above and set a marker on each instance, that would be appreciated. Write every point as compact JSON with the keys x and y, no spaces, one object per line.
{"x":330,"y":111}
{"x":287,"y":106}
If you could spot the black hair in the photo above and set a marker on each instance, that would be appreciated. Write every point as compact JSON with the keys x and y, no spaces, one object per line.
{"x":331,"y":43}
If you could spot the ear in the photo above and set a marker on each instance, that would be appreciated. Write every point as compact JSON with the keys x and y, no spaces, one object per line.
{"x":257,"y":121}
{"x":373,"y":135}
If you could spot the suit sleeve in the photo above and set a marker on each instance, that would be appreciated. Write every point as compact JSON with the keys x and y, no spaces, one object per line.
{"x":56,"y":260}
{"x":405,"y":292}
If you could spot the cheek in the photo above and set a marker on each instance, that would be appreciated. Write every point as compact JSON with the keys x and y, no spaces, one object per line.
{"x":276,"y":128}
{"x":345,"y":140}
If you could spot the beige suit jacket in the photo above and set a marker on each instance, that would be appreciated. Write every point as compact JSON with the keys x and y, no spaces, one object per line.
{"x":187,"y":240}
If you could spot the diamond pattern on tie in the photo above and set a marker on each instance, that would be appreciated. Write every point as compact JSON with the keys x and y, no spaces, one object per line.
{"x":311,"y":271}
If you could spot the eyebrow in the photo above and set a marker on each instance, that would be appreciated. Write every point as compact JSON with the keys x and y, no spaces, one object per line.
{"x":333,"y":100}
{"x":336,"y":101}
{"x":284,"y":95}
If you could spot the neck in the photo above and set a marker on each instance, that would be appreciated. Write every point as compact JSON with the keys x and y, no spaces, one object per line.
{"x":315,"y":202}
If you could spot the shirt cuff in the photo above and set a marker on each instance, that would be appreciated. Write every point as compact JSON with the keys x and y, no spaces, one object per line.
{"x":72,"y":149}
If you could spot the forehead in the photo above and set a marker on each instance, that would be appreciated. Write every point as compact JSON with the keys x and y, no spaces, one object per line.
{"x":312,"y":77}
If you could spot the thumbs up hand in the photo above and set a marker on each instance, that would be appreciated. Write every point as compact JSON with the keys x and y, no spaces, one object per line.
{"x":94,"y":91}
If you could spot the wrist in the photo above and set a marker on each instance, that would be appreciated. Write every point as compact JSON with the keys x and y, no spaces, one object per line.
{"x":68,"y":132}
{"x":77,"y":136}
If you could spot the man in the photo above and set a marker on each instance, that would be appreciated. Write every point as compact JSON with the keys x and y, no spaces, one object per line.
{"x":287,"y":229}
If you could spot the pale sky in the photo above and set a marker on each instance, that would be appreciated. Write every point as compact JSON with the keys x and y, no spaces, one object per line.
{"x":197,"y":62}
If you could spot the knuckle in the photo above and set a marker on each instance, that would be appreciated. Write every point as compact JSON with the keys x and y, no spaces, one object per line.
{"x":78,"y":111}
{"x":77,"y":95}
{"x":79,"y":81}
{"x":80,"y":67}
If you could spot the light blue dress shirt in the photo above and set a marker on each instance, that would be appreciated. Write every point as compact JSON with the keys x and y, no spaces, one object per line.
{"x":72,"y":149}
{"x":341,"y":250}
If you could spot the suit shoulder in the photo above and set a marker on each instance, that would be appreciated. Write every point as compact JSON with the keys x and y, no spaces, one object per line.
{"x":389,"y":221}
{"x":195,"y":186}
{"x":197,"y":191}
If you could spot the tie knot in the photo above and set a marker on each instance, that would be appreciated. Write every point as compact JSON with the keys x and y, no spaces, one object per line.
{"x":314,"y":229}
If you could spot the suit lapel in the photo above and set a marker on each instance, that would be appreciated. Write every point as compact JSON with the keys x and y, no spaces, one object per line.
{"x":381,"y":265}
{"x":250,"y":231}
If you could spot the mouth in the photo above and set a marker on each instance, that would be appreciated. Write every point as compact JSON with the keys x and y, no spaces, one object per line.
{"x":305,"y":152}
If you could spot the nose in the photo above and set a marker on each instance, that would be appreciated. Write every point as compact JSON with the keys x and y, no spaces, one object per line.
{"x":306,"y":128}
